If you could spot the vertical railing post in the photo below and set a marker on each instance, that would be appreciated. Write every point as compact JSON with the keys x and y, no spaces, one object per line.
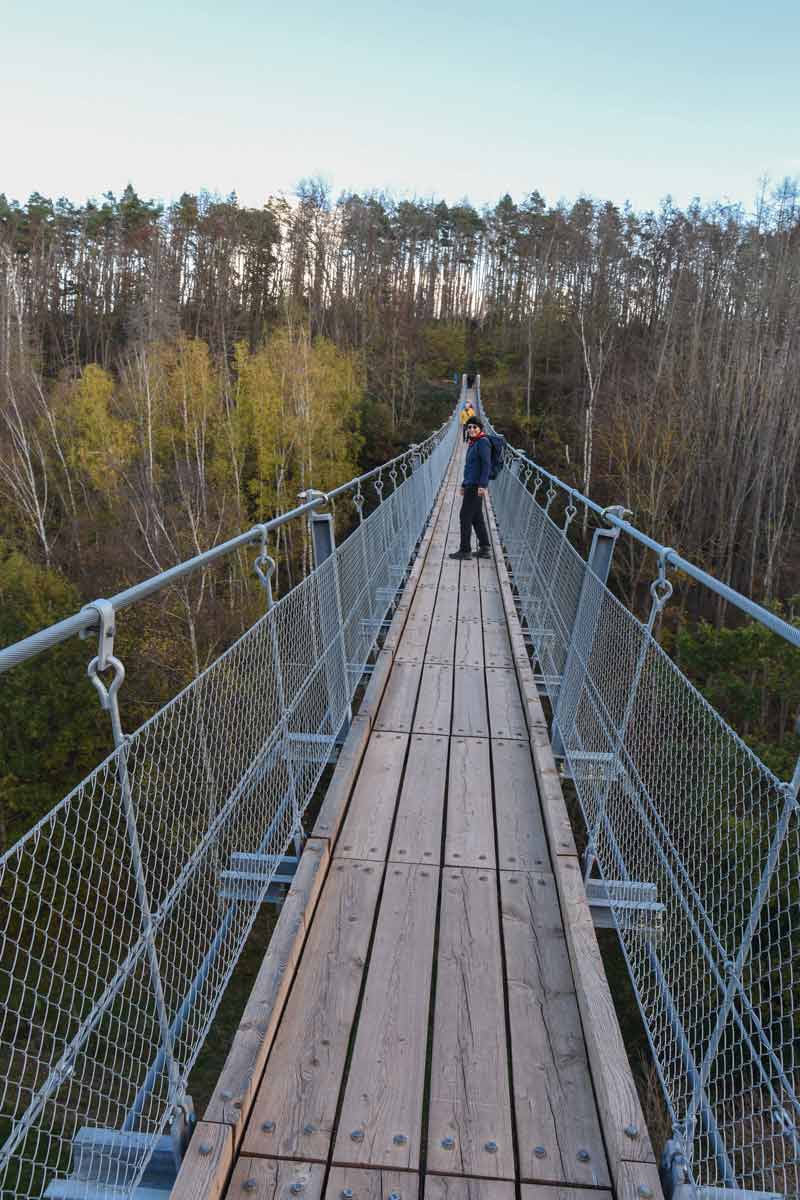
{"x":264,"y":567}
{"x":584,"y":627}
{"x":323,"y":545}
{"x":104,"y":661}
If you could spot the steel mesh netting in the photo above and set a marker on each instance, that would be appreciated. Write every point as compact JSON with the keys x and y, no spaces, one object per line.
{"x":673,"y":799}
{"x":103,"y":1013}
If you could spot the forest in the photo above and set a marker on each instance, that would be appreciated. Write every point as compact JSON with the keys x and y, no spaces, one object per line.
{"x":171,"y":374}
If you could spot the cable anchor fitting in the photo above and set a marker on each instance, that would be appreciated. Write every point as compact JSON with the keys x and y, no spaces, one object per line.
{"x":105,"y":659}
{"x":660,"y":588}
{"x":616,"y":510}
{"x":264,"y":565}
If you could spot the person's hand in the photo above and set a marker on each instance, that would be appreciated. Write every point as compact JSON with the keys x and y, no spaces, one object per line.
{"x":482,"y":491}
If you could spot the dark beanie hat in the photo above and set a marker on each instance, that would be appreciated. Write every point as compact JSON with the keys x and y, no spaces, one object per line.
{"x":474,"y":421}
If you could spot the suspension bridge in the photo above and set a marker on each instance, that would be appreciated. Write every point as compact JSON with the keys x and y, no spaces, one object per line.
{"x":432,"y":1019}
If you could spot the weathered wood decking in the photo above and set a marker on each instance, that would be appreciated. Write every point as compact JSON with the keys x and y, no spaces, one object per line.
{"x":432,"y":1021}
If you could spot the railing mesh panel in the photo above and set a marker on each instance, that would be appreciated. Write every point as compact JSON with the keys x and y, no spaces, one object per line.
{"x":673,"y":798}
{"x":121,"y":921}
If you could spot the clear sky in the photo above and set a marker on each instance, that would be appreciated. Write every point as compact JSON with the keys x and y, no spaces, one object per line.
{"x":619,"y":100}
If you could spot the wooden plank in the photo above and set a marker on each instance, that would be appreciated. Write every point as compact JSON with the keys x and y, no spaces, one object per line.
{"x":556,"y":818}
{"x":506,"y":717}
{"x":613,"y":1080}
{"x":422,"y":604}
{"x":469,"y":644}
{"x":435,"y":702}
{"x":559,"y":830}
{"x":295,"y":1108}
{"x":492,"y":607}
{"x":469,"y":574}
{"x":531,"y":1191}
{"x":469,"y":605}
{"x":234,"y":1093}
{"x":271,"y":1179}
{"x":432,"y":570}
{"x":470,"y":718}
{"x":446,"y":607}
{"x":366,"y":831}
{"x":379,"y":678}
{"x":450,"y":572}
{"x":521,"y":841}
{"x":558,"y":1127}
{"x":383,"y":1099}
{"x":334,"y":806}
{"x":469,"y":841}
{"x":487,"y":573}
{"x":206,"y":1164}
{"x":412,"y":645}
{"x":639,"y":1181}
{"x":418,"y":828}
{"x":469,"y":1114}
{"x":454,"y":1187}
{"x":496,"y":646}
{"x":442,"y":642}
{"x":399,"y":700}
{"x":359,"y":1183}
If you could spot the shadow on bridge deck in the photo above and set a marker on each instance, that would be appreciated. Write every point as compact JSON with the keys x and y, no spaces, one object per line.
{"x":431,"y":1018}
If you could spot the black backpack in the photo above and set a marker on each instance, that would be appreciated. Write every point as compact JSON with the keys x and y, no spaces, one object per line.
{"x":497,"y":445}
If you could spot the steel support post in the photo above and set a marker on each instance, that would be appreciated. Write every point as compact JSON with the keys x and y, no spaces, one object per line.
{"x":583,"y":632}
{"x":323,"y":543}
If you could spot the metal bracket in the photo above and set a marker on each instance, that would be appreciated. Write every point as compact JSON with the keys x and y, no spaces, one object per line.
{"x":106,"y":631}
{"x":616,"y":510}
{"x":104,"y":660}
{"x":248,"y":873}
{"x":105,"y":1159}
{"x":546,"y":684}
{"x":634,"y":905}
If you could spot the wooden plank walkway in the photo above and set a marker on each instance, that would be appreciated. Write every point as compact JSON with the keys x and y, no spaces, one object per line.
{"x":446,"y":1036}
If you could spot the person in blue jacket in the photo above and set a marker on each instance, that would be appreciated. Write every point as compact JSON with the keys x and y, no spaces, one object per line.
{"x":476,"y":481}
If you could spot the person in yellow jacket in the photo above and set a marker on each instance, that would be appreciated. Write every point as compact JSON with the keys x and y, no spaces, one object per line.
{"x":466,"y":412}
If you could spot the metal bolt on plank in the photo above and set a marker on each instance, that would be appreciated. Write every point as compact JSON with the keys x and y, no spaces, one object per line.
{"x":584,"y":1155}
{"x":357,"y":1135}
{"x":250,"y":1185}
{"x":631,"y":1131}
{"x":268,"y":1127}
{"x":540,"y":1151}
{"x":448,"y":1143}
{"x":297,"y":1187}
{"x":400,"y":1139}
{"x":205,"y":1148}
{"x":491,"y":1147}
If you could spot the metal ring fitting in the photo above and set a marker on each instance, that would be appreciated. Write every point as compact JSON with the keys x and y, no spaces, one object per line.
{"x":106,"y":694}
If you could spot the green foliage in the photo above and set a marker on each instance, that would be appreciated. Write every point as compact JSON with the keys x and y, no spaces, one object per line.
{"x":99,"y":443}
{"x":51,"y":729}
{"x":444,"y":350}
{"x":298,"y":412}
{"x":752,"y":676}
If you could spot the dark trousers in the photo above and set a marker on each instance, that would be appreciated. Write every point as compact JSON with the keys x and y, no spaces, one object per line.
{"x":471,"y":517}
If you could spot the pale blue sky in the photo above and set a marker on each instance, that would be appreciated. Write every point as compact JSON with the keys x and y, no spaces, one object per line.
{"x":620,"y":100}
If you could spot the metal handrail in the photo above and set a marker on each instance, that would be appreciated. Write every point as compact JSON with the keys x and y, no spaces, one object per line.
{"x":87,"y":618}
{"x":676,"y":804}
{"x":665,"y":554}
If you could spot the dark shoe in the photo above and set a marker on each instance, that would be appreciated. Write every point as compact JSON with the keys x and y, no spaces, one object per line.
{"x":484,"y":552}
{"x":462,"y":554}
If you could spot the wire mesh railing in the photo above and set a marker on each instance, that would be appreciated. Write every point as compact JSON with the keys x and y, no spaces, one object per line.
{"x":124,"y":910}
{"x":696,"y":841}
